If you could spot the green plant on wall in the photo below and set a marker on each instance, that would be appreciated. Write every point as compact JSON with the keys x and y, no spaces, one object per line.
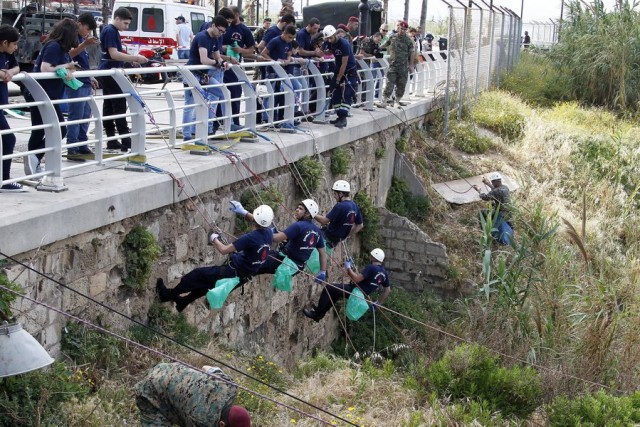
{"x":6,"y":297}
{"x":141,"y":251}
{"x":370,"y":234}
{"x":340,"y":161}
{"x":252,"y":199}
{"x":400,"y":200}
{"x":311,"y":172}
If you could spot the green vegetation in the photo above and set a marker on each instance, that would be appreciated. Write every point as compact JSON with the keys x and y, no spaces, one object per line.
{"x":380,"y":152}
{"x":500,"y":113}
{"x":311,"y":173}
{"x":6,"y":297}
{"x":472,"y":372}
{"x":141,"y":251}
{"x":464,"y":137}
{"x":340,"y":161}
{"x":402,"y":144}
{"x":163,"y":319}
{"x":370,"y":234}
{"x":268,"y":372}
{"x":600,"y":409}
{"x":87,"y":346}
{"x":251,"y":199}
{"x":400,"y":200}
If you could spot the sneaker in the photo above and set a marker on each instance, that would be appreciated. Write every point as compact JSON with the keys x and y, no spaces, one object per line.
{"x":382,"y":104}
{"x":311,"y":314}
{"x":114,"y":145}
{"x":31,"y":165}
{"x":403,"y":103}
{"x":84,"y":150}
{"x":73,"y":152}
{"x":298,"y":114}
{"x":12,"y":187}
{"x":186,"y":137}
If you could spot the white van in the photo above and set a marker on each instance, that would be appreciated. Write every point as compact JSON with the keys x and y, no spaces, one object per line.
{"x":154,"y":22}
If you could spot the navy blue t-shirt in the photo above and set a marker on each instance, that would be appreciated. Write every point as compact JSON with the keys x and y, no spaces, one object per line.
{"x":110,"y":37}
{"x":7,"y":62}
{"x":342,"y":52}
{"x":83,"y":60}
{"x":278,"y":50}
{"x":302,"y":238}
{"x":304,"y":39}
{"x":205,"y":26}
{"x":52,"y":53}
{"x":271,"y":33}
{"x":344,"y":216}
{"x":201,"y":40}
{"x":252,"y":250}
{"x":238,"y":33}
{"x":375,"y":276}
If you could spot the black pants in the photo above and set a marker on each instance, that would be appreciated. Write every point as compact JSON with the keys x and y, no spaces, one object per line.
{"x":273,"y":261}
{"x":36,"y":140}
{"x":235,"y":91}
{"x":331,"y":294}
{"x":8,"y":143}
{"x":197,"y":283}
{"x":111,"y":107}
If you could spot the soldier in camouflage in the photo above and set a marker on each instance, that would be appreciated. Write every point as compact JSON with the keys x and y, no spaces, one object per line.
{"x":401,"y":62}
{"x":173,"y":394}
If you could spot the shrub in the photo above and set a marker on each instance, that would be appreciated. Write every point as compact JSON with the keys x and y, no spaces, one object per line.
{"x":321,"y":362}
{"x":465,"y":138}
{"x":251,"y":199}
{"x":370,"y":233}
{"x":87,"y":346}
{"x":500,"y":113}
{"x":268,"y":372}
{"x":600,"y":409}
{"x":402,"y":144}
{"x":311,"y":173}
{"x":6,"y":297}
{"x":380,"y":152}
{"x":471,"y":372}
{"x":400,"y":200}
{"x":34,"y":398}
{"x":340,"y":161}
{"x":171,"y":324}
{"x":141,"y":251}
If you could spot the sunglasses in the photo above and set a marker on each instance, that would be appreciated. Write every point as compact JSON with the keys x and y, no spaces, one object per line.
{"x":384,"y":31}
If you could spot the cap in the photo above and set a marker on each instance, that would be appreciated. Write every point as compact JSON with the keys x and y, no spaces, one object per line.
{"x":403,"y":24}
{"x":353,"y":19}
{"x":328,"y":31}
{"x":343,"y":27}
{"x":239,"y":417}
{"x":180,"y":17}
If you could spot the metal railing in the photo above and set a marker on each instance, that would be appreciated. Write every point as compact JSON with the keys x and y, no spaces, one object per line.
{"x":308,"y":93}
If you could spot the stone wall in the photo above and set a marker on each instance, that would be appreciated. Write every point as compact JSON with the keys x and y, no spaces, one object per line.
{"x":415,"y":262}
{"x":93,"y":263}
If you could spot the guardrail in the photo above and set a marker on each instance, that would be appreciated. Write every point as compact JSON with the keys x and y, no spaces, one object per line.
{"x":307,"y":92}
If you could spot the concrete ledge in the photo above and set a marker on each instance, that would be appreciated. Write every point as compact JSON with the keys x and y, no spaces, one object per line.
{"x":103,"y":196}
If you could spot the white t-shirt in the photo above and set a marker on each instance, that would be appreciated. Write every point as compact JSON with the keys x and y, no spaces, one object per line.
{"x":184,"y":34}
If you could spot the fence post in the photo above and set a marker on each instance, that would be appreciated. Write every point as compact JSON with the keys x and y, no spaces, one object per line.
{"x":463,"y":75}
{"x":491,"y":48}
{"x":449,"y":59}
{"x":479,"y":52}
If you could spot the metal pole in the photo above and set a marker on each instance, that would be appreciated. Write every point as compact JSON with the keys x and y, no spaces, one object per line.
{"x":479,"y":50}
{"x":446,"y":91}
{"x":363,"y":8}
{"x":491,"y":46}
{"x":501,"y":51}
{"x":463,"y":75}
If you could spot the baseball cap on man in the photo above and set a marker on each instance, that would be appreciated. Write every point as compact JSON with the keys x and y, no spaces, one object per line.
{"x":239,"y":417}
{"x":180,"y":17}
{"x":403,"y":24}
{"x":353,"y":19}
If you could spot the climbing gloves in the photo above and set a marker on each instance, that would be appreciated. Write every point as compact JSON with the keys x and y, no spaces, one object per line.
{"x":347,"y":263}
{"x":321,"y":277}
{"x":236,"y":207}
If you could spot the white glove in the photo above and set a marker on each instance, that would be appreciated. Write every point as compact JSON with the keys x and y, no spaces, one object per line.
{"x":213,"y":236}
{"x":236,"y":207}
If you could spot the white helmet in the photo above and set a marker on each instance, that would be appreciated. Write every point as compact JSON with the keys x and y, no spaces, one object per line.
{"x":328,"y":31}
{"x":341,"y":185}
{"x":311,"y":206}
{"x":495,"y":176}
{"x":263,"y":215}
{"x":378,"y":254}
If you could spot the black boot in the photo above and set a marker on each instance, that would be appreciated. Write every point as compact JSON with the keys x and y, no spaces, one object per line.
{"x":312,"y":314}
{"x":341,"y":122}
{"x":334,"y":121}
{"x":163,"y":292}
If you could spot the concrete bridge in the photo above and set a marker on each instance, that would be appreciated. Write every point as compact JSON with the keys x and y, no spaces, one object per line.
{"x":73,"y":233}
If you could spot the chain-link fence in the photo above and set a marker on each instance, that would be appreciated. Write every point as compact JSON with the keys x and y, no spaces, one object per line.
{"x":543,"y":34}
{"x":483,"y":42}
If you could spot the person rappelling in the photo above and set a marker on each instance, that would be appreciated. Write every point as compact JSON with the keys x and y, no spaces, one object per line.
{"x":344,"y":219}
{"x":248,"y":253}
{"x":301,"y":238}
{"x":374,"y":278}
{"x":500,"y":207}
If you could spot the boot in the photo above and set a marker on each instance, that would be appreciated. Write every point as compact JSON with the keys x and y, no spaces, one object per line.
{"x":163,"y":292}
{"x":311,"y":314}
{"x":341,"y":122}
{"x":334,"y":121}
{"x":383,"y":103}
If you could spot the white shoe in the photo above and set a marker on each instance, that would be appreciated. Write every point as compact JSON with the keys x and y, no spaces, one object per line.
{"x":32,"y":165}
{"x":13,"y":187}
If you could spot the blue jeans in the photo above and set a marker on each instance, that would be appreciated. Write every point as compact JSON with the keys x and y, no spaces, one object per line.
{"x":189,"y":113}
{"x":78,"y":111}
{"x":183,"y":53}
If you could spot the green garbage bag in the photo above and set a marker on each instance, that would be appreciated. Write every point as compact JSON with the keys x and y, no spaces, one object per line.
{"x":218,"y":295}
{"x":282,"y":278}
{"x":357,"y":305}
{"x":74,"y":83}
{"x":313,"y":263}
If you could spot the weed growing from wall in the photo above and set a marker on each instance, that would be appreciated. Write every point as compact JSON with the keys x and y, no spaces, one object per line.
{"x":340,"y":161}
{"x":401,"y":201}
{"x":6,"y":298}
{"x":310,"y":173}
{"x":250,"y":200}
{"x":141,"y":251}
{"x":87,"y":346}
{"x":370,"y":233}
{"x":402,"y":144}
{"x":380,"y":152}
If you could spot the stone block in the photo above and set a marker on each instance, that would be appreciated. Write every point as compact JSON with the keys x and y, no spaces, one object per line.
{"x":398,"y":244}
{"x":97,"y":284}
{"x":182,"y":247}
{"x":418,"y":248}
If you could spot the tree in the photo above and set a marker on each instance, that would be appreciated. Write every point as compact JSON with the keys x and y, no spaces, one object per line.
{"x":423,"y":16}
{"x":406,"y":11}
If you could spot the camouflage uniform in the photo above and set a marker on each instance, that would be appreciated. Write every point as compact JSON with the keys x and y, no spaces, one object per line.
{"x":400,"y":49}
{"x":174,"y":394}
